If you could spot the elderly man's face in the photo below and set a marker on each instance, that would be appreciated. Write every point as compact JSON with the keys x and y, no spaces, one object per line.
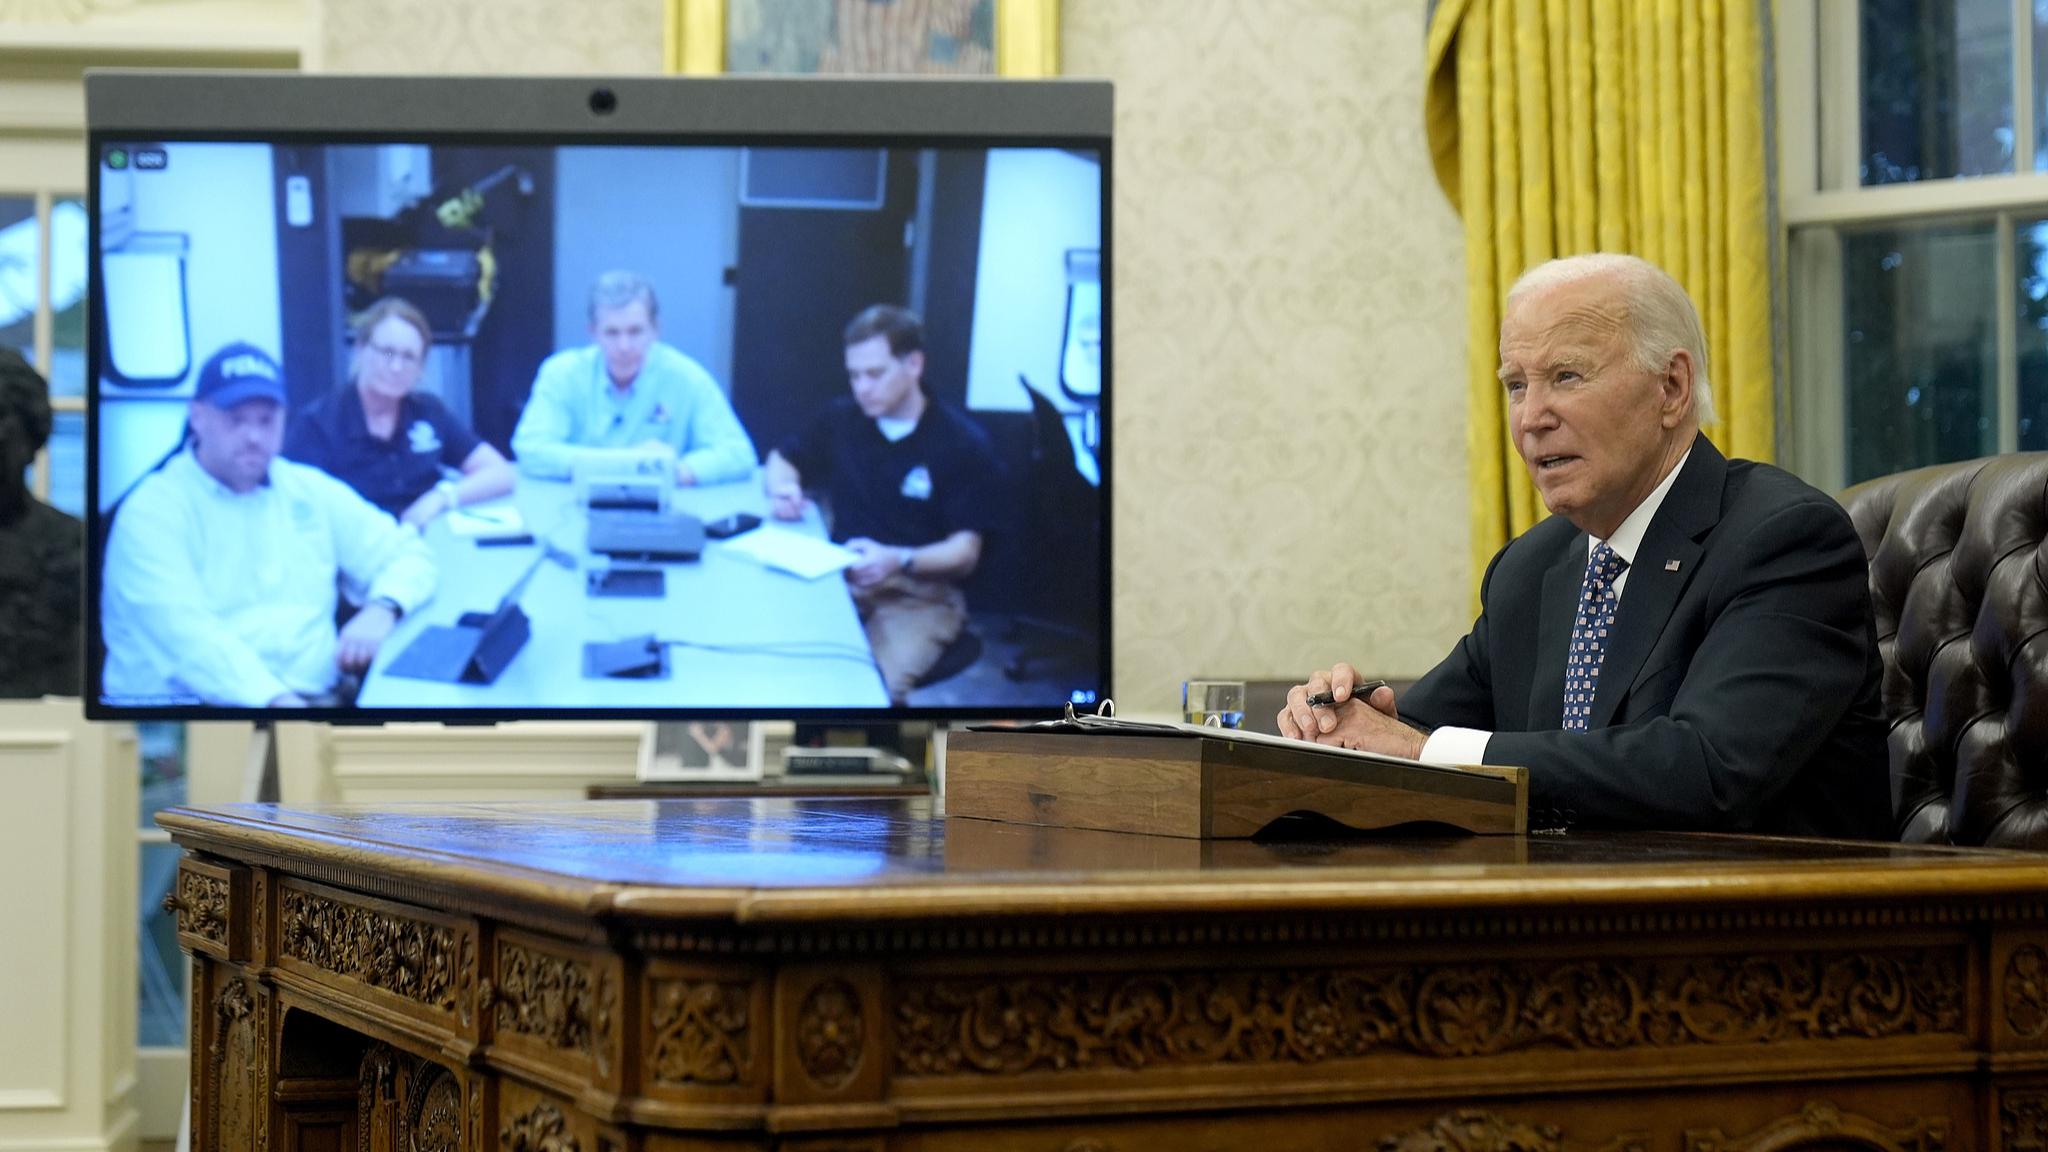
{"x":1596,"y":432}
{"x":236,"y":445}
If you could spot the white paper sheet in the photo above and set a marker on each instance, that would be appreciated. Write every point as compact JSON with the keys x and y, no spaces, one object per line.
{"x":487,"y":520}
{"x":792,"y":552}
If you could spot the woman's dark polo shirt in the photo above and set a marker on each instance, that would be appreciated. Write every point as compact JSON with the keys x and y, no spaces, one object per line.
{"x":332,"y":435}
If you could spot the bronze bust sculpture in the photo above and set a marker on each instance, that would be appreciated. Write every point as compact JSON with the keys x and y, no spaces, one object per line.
{"x":41,"y":551}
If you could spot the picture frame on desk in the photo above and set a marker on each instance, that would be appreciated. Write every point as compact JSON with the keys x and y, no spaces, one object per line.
{"x":702,"y":750}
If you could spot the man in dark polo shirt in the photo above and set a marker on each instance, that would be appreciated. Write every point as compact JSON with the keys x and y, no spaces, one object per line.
{"x":911,"y":483}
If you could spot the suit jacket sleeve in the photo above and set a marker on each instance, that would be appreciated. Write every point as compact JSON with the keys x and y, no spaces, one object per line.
{"x":1784,"y":650}
{"x":1459,"y":690}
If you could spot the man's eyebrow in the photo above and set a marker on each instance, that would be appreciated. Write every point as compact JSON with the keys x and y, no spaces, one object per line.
{"x":1547,"y":368}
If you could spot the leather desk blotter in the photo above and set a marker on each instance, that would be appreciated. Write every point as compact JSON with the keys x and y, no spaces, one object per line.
{"x":1187,"y":782}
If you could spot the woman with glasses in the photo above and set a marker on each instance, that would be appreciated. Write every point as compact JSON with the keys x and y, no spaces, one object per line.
{"x":402,"y":449}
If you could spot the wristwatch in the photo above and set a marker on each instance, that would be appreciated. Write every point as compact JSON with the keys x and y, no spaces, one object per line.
{"x":446,"y":488}
{"x":397,"y":609}
{"x":904,"y":557}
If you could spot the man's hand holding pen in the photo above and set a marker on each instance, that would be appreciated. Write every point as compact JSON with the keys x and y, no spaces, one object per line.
{"x":1341,"y":708}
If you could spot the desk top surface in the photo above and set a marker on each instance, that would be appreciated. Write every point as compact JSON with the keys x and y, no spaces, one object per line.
{"x":794,"y":860}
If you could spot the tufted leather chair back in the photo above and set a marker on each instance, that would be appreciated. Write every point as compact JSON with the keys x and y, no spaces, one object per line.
{"x":1959,"y":586}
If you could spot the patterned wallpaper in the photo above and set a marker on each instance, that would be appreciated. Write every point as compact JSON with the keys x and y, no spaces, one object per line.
{"x":1291,"y":485}
{"x":471,"y":36}
{"x":1290,"y":414}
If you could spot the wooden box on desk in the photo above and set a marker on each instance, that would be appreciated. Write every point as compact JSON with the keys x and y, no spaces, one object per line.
{"x":1209,"y":787}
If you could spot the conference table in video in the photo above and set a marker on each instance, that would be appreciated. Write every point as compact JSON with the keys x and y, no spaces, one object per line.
{"x":734,"y":632}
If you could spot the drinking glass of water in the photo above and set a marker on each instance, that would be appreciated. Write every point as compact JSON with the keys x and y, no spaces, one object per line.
{"x":1213,"y":703}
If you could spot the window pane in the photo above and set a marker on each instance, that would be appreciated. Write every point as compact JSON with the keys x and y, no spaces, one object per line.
{"x":159,"y":969}
{"x":18,"y":240}
{"x":1937,"y":89}
{"x":67,"y":463}
{"x":162,"y":746}
{"x":160,"y":990}
{"x":2030,"y":237}
{"x":67,"y":298}
{"x":1921,"y":360}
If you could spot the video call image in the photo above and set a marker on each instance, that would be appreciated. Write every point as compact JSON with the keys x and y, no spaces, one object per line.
{"x":402,"y":426}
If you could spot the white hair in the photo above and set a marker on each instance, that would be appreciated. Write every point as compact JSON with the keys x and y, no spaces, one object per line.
{"x":1661,"y":318}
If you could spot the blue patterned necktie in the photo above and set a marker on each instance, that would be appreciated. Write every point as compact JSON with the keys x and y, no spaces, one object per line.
{"x":1597,"y":602}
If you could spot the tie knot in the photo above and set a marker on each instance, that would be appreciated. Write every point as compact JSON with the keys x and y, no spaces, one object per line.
{"x":1604,"y":565}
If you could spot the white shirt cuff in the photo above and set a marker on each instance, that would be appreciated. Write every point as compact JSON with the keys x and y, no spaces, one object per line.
{"x":1455,"y":747}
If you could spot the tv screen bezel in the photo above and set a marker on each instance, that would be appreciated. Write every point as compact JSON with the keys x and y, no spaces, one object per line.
{"x":130,"y":106}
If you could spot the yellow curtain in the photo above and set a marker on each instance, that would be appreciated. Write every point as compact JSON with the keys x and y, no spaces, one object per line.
{"x":1566,"y":126}
{"x":1027,"y":37}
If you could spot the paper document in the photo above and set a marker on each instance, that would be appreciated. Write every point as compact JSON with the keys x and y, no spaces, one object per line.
{"x":792,"y":552}
{"x":487,"y":520}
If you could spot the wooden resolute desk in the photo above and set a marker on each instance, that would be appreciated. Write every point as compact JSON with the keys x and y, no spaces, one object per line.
{"x":730,"y":974}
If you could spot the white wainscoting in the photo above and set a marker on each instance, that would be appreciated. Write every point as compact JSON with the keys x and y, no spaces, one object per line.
{"x":526,"y":760}
{"x":68,"y":807}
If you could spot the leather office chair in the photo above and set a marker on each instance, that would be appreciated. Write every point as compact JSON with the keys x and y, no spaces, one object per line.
{"x":1959,"y":585}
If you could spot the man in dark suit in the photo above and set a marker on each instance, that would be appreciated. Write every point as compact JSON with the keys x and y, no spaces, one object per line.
{"x":1687,"y":642}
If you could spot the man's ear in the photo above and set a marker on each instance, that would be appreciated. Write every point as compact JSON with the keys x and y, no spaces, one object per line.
{"x":1677,"y":385}
{"x":913,"y":362}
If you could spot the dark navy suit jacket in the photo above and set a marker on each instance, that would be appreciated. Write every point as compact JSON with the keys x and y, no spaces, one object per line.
{"x":1739,"y":692}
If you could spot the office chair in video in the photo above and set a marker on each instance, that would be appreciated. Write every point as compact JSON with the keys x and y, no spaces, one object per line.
{"x":1057,"y":627}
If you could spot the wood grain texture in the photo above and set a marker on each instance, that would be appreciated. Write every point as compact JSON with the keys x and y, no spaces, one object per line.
{"x":1180,"y":786}
{"x":1604,"y":993}
{"x":1114,"y":784}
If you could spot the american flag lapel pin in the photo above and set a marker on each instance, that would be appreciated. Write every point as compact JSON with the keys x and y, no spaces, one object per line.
{"x":1671,"y":565}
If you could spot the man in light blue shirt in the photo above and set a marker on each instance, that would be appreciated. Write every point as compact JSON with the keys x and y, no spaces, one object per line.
{"x":627,"y":390}
{"x":221,"y":570}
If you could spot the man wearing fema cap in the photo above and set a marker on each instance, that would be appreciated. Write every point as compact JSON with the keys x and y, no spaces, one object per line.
{"x":220,"y":582}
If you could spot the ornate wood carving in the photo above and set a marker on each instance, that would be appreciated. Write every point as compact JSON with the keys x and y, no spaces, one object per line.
{"x":2023,"y":1117}
{"x":259,"y":896}
{"x":830,"y":1034}
{"x":201,"y":906}
{"x":1822,"y":1121}
{"x":543,"y":1128}
{"x":467,"y":1001}
{"x":1473,"y":1130}
{"x":551,"y":998}
{"x":196,"y":1069}
{"x":433,"y":1114}
{"x":1004,"y":1026}
{"x":376,"y":1092}
{"x":2026,"y":992}
{"x":403,"y":956}
{"x":604,"y":1039}
{"x":237,"y":1064}
{"x":701,"y":1032}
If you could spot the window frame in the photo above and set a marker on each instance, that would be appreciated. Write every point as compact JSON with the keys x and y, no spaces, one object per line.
{"x":1819,"y":198}
{"x":46,"y":197}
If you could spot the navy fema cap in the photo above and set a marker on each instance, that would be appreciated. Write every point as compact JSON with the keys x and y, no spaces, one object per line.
{"x":237,"y":373}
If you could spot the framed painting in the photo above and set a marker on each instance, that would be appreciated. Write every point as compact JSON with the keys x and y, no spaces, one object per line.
{"x":1016,"y":38}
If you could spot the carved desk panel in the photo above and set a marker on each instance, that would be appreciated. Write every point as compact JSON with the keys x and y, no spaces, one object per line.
{"x":638,"y":976}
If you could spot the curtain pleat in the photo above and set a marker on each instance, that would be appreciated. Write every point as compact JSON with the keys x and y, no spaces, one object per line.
{"x":1568,"y":126}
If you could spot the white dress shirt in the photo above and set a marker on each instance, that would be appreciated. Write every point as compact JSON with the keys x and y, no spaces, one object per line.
{"x":225,"y":597}
{"x":673,"y":400}
{"x":1451,"y":745}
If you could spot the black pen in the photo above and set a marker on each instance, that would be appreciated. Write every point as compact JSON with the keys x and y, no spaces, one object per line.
{"x":1359,"y":691}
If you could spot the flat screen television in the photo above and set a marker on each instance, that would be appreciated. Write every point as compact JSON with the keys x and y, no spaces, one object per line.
{"x":482,"y":398}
